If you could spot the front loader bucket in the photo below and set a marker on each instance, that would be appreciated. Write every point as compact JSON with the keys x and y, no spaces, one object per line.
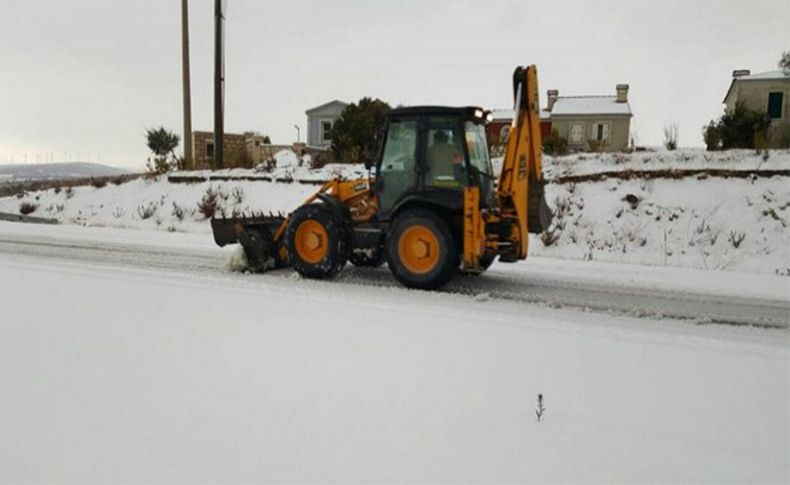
{"x":256,"y":236}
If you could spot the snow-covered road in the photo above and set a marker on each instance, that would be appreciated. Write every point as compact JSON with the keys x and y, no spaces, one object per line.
{"x":699,"y":296}
{"x":134,"y":357}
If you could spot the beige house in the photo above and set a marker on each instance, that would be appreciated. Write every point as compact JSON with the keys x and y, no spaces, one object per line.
{"x":591,"y":122}
{"x":767,"y":91}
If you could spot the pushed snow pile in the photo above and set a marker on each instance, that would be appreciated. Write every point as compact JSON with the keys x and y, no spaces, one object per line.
{"x":286,"y":159}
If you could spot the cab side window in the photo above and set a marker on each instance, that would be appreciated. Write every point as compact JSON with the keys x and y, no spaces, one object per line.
{"x":444,"y":156}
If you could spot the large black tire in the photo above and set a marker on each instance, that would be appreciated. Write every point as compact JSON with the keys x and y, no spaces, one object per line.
{"x":443,"y":248}
{"x":333,"y":242}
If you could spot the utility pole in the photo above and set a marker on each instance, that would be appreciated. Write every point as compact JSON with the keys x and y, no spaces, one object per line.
{"x":219,"y":84}
{"x":185,"y":74}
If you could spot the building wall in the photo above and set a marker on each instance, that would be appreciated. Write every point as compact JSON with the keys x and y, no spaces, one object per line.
{"x":754,"y":95}
{"x":618,"y":127}
{"x":314,"y":118}
{"x":234,"y":150}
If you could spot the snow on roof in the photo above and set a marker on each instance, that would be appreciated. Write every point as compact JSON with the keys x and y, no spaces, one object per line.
{"x":589,"y":105}
{"x":507,"y":115}
{"x":764,"y":76}
{"x":326,"y":105}
{"x":760,"y":76}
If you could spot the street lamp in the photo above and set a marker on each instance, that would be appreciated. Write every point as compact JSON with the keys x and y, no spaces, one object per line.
{"x":298,"y":131}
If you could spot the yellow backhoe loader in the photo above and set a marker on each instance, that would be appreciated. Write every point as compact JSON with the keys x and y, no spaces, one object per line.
{"x":432,"y":207}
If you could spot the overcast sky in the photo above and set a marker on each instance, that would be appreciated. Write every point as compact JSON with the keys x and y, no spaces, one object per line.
{"x":86,"y":77}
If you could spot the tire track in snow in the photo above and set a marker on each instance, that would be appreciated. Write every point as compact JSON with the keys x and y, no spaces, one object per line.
{"x":525,"y":288}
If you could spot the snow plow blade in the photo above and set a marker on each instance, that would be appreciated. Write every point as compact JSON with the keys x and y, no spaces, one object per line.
{"x":257,"y":234}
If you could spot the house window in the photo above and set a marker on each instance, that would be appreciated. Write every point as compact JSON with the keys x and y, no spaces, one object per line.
{"x":775,"y":101}
{"x":504,"y":132}
{"x":326,"y":131}
{"x":577,"y":132}
{"x":209,"y":149}
{"x":600,"y":132}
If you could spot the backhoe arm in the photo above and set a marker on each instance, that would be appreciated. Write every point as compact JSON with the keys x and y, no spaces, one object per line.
{"x":522,"y":163}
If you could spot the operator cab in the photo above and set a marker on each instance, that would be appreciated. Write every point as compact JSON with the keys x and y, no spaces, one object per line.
{"x":432,"y":153}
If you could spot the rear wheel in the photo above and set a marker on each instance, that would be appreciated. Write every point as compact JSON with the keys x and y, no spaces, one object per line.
{"x":316,"y":242}
{"x":421,"y":250}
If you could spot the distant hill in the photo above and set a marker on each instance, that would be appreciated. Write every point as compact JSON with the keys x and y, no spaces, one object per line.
{"x":56,"y":171}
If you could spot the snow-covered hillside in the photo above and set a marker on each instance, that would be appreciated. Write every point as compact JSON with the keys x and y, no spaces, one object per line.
{"x":711,"y":222}
{"x":56,"y":171}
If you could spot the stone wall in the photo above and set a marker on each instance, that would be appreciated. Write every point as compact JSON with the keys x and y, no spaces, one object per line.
{"x":234,"y":150}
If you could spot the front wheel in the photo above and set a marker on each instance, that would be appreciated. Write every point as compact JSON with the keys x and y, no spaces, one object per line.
{"x":421,"y":250}
{"x":316,"y":242}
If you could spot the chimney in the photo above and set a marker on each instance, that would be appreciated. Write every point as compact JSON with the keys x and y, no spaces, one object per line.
{"x":552,"y":98}
{"x":740,"y":73}
{"x":622,"y":93}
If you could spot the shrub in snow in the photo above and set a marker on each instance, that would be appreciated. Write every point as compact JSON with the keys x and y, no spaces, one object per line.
{"x":540,"y":409}
{"x":739,"y":128}
{"x":178,"y":212}
{"x":671,"y":136}
{"x":632,"y":200}
{"x":318,"y":161}
{"x":554,"y":144}
{"x":238,"y":195}
{"x":26,"y":208}
{"x":736,"y":238}
{"x":118,"y":212}
{"x":209,"y":203}
{"x":69,"y":192}
{"x":98,"y":182}
{"x":146,"y":211}
{"x":597,"y":146}
{"x":551,"y":235}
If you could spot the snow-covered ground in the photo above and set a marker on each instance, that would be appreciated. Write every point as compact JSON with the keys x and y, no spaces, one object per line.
{"x":659,"y":159}
{"x":132,"y":372}
{"x":738,"y":224}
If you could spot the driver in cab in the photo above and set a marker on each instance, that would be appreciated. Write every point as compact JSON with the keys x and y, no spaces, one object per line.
{"x":444,"y":161}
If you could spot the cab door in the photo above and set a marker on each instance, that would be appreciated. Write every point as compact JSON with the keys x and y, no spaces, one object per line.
{"x":397,"y":173}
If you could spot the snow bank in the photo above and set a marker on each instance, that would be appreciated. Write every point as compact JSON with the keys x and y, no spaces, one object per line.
{"x":712,"y":223}
{"x":286,"y":159}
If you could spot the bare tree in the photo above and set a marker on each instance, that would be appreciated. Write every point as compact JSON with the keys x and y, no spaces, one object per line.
{"x":671,"y":136}
{"x":784,"y":62}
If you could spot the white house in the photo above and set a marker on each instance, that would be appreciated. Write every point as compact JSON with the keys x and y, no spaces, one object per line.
{"x":320,"y":121}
